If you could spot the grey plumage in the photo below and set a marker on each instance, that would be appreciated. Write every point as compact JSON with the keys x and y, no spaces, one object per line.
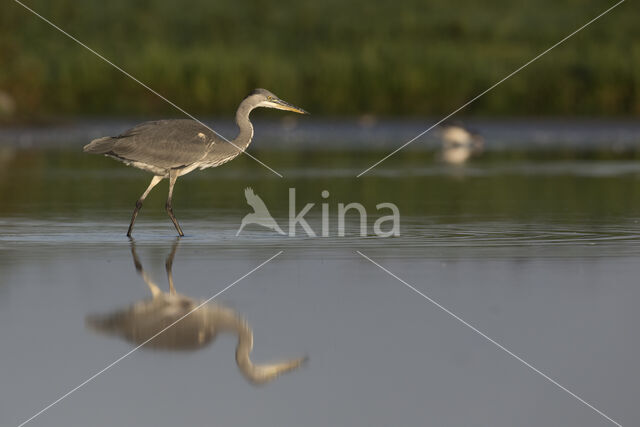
{"x":172,"y":148}
{"x":162,"y":145}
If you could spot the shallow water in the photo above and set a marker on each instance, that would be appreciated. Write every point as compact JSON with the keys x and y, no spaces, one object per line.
{"x":540,"y":255}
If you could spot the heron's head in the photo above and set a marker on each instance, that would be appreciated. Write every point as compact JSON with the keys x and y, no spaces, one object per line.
{"x":264,"y":98}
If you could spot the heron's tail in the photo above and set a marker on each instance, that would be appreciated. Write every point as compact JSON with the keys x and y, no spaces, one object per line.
{"x":105,"y":323}
{"x":100,"y":146}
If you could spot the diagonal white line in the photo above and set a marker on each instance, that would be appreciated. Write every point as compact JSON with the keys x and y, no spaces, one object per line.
{"x":119,"y":359}
{"x":140,"y":83}
{"x":491,"y":340}
{"x":490,"y":88}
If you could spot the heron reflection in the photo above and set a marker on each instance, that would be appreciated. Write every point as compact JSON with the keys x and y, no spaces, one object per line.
{"x":142,"y":320}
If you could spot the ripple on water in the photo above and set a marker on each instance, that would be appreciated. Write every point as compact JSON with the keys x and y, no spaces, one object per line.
{"x":425,"y":237}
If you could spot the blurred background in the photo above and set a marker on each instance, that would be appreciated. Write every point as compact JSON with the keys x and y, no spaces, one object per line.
{"x":373,"y":75}
{"x":388,"y":58}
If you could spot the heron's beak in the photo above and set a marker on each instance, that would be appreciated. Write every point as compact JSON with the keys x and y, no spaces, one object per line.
{"x":282,"y":105}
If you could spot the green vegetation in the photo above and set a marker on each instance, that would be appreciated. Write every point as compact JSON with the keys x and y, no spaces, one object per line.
{"x":410,"y":57}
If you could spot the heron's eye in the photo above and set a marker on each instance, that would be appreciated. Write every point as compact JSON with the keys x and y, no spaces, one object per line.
{"x":270,"y":98}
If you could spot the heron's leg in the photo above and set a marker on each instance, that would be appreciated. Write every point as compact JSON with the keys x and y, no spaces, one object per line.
{"x":155,"y":290}
{"x":169,"y":265}
{"x":154,"y":181}
{"x":173,"y":176}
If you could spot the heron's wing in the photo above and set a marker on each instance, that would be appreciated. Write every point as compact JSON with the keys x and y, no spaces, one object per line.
{"x":163,"y":143}
{"x":256,"y":202}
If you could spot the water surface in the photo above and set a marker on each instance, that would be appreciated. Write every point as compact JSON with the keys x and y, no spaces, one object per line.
{"x":539,"y":253}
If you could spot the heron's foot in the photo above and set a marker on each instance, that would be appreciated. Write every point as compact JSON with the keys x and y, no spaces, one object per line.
{"x":130,"y":230}
{"x":133,"y":217}
{"x":169,"y":209}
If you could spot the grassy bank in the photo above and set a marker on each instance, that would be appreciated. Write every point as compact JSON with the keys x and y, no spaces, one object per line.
{"x":407,"y":57}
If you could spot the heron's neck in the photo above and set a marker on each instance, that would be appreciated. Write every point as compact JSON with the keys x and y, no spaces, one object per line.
{"x":245,"y":127}
{"x":226,"y":320}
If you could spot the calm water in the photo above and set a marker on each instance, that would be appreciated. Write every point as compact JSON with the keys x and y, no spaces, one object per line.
{"x":541,"y":254}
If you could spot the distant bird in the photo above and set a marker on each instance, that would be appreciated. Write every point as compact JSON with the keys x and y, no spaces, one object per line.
{"x":172,"y":148}
{"x":165,"y":315}
{"x":459,"y":143}
{"x":260,"y":214}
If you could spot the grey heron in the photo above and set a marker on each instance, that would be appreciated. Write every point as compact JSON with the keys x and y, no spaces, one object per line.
{"x":172,"y":148}
{"x":171,"y":321}
{"x":459,"y":143}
